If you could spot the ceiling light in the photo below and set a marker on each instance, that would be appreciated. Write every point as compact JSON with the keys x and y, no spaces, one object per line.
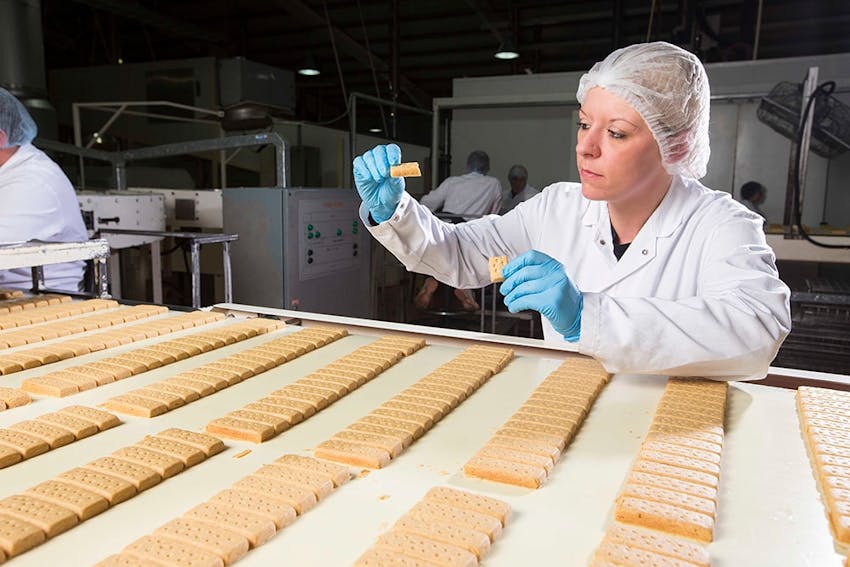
{"x":375,"y":130}
{"x":309,"y":67}
{"x":506,"y":50}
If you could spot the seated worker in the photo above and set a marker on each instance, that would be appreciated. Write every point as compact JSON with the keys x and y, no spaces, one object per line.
{"x":753,"y":194}
{"x":38,"y":201}
{"x":520,"y":189}
{"x":469,"y":196}
{"x":640,"y":265}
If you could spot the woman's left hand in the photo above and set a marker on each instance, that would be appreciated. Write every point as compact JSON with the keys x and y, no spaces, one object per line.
{"x":538,"y":282}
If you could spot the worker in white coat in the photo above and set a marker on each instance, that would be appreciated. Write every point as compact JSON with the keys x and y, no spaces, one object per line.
{"x":470,"y":195}
{"x":639,"y":265}
{"x":520,"y":189}
{"x":37,"y":202}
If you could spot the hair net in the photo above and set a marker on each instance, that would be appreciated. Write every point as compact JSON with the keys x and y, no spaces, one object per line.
{"x":517,"y":172}
{"x":668,"y":87}
{"x":15,"y":121}
{"x":478,"y":161}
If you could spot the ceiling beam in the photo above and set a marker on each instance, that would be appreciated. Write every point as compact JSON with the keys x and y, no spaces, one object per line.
{"x":134,"y":11}
{"x":354,"y":49}
{"x":488,"y":15}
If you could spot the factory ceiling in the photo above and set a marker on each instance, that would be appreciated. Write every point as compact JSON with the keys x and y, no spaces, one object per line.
{"x":419,"y":46}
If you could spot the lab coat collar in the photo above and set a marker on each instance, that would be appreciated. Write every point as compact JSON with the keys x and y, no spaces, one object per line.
{"x":643,"y":249}
{"x":23,"y":153}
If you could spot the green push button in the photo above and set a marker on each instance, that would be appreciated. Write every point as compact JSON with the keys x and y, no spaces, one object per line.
{"x":309,"y":235}
{"x":339,"y":232}
{"x":309,"y":227}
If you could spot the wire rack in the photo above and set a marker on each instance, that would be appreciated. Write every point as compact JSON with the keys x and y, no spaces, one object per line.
{"x":780,"y":110}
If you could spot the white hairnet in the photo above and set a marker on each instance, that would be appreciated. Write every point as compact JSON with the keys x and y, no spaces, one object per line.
{"x":668,"y":87}
{"x":15,"y":121}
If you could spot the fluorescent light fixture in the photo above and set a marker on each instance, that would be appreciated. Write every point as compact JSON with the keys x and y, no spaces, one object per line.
{"x":375,"y":130}
{"x":506,"y":50}
{"x":309,"y":68}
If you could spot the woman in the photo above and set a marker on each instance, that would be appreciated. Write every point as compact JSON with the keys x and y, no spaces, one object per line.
{"x":643,"y":267}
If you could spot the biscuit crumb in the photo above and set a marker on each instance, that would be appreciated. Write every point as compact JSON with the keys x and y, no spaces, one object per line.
{"x":241,"y":454}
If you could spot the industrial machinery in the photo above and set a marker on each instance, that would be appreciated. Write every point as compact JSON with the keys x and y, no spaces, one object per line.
{"x":299,"y":248}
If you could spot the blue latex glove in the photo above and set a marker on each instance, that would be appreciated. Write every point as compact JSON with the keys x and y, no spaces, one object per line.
{"x":536,"y":281}
{"x":379,"y":191}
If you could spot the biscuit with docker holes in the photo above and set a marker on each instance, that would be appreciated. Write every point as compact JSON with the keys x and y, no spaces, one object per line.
{"x":496,"y":263}
{"x":409,"y":169}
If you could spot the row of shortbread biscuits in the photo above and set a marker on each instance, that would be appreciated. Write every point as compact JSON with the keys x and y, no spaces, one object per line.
{"x":669,"y":498}
{"x":24,"y":303}
{"x":825,"y":423}
{"x":673,"y":483}
{"x":246,"y":515}
{"x":19,"y":360}
{"x":377,"y":438}
{"x":54,"y":506}
{"x":525,"y":449}
{"x":53,"y":312}
{"x":161,"y":397}
{"x":273,"y":414}
{"x":10,"y":294}
{"x":90,"y":375}
{"x":32,"y":437}
{"x":75,"y":325}
{"x":447,"y":527}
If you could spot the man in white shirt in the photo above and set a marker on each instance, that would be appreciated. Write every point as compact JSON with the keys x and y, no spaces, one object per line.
{"x":472,"y":195}
{"x":520,"y":189}
{"x":469,"y":196}
{"x":37,"y":202}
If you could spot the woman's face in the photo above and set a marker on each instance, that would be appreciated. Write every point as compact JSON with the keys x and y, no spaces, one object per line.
{"x":617,"y":156}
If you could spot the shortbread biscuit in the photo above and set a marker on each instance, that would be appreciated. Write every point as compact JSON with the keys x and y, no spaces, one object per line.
{"x":256,"y":528}
{"x":229,"y":545}
{"x":140,"y":476}
{"x":84,"y":503}
{"x":666,"y":518}
{"x":159,"y":550}
{"x":407,"y":169}
{"x":352,"y":454}
{"x":468,"y":501}
{"x":114,"y":489}
{"x":301,"y":499}
{"x":279,"y":512}
{"x":495,"y":264}
{"x":425,"y":548}
{"x":338,"y":475}
{"x":51,"y":518}
{"x":18,"y":536}
{"x":165,"y":465}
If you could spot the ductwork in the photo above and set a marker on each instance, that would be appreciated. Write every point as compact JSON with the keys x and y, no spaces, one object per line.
{"x":22,"y":69}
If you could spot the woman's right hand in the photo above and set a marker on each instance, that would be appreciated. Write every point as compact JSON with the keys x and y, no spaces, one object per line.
{"x":379,"y":191}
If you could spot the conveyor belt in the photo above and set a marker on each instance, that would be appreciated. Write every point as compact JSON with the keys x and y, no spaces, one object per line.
{"x":767,"y":493}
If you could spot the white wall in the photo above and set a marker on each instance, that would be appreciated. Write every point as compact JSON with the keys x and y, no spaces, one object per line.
{"x":743,"y":149}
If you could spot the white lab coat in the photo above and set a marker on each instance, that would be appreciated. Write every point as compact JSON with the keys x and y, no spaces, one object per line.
{"x":471,"y":194}
{"x":37,"y":202}
{"x":696,"y":294}
{"x":510,"y":201}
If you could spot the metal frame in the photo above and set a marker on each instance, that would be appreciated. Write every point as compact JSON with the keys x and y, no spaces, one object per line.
{"x":119,"y":159}
{"x":352,"y":105}
{"x":36,"y":255}
{"x":196,"y":240}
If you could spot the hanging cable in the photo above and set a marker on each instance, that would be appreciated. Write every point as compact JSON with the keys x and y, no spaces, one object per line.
{"x":649,"y":27}
{"x":372,"y":66}
{"x":336,"y":55}
{"x":824,"y":89}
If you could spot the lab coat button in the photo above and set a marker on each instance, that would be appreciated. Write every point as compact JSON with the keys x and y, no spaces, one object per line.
{"x":602,"y":242}
{"x":644,"y":251}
